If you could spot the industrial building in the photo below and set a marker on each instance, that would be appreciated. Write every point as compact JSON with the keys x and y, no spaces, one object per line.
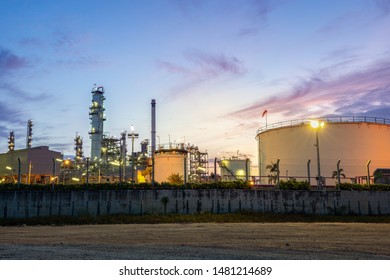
{"x":30,"y":165}
{"x":353,"y":147}
{"x":35,"y":165}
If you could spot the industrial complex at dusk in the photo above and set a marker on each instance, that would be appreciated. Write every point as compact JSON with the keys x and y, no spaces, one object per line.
{"x":219,"y":136}
{"x":290,"y":150}
{"x":115,"y":159}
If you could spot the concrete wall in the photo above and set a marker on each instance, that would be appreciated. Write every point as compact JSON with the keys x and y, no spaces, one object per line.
{"x":25,"y":204}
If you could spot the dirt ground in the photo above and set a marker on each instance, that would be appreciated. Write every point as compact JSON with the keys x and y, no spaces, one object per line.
{"x":209,"y":241}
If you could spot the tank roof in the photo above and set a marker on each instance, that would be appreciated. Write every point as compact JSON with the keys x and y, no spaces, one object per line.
{"x":340,"y":119}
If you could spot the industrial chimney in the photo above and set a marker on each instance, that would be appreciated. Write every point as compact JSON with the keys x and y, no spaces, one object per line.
{"x":153,"y":126}
{"x":29,"y":134}
{"x":153,"y":136}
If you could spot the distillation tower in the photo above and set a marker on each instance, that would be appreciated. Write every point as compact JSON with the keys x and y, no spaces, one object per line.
{"x":96,"y":114}
{"x":11,"y":141}
{"x":78,"y":146}
{"x":29,"y":134}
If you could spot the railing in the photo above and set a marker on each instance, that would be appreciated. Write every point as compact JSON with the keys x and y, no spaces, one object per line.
{"x":341,"y":119}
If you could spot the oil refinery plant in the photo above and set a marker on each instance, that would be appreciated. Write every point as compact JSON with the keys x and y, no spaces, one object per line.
{"x":110,"y":160}
{"x":353,"y":148}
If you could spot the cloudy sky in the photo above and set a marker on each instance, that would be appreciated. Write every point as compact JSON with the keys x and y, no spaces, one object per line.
{"x":213,"y":67}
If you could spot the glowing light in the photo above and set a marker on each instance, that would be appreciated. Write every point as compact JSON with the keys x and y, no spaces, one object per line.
{"x":8,"y":168}
{"x":240,"y":172}
{"x":317,"y":124}
{"x":115,"y":163}
{"x":76,"y":179}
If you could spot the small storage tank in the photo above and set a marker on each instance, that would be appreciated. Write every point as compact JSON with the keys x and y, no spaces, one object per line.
{"x":169,"y":161}
{"x":353,"y":140}
{"x":234,"y":169}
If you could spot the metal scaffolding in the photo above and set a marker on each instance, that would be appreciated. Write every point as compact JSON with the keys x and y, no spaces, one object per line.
{"x":198,"y":163}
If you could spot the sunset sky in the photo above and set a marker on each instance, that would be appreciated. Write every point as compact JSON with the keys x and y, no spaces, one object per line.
{"x":213,"y":67}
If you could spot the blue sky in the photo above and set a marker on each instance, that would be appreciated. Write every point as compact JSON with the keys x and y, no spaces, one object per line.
{"x":213,"y":67}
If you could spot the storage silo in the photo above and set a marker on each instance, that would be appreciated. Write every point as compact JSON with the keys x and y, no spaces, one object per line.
{"x":353,"y":140}
{"x":168,"y":161}
{"x":234,"y":168}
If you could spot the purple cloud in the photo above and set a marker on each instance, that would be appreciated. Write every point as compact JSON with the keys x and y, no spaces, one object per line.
{"x":10,"y":117}
{"x":202,"y":67}
{"x":358,"y":93}
{"x":16,"y":91}
{"x":173,"y":68}
{"x":383,"y":6}
{"x":215,"y":63}
{"x":203,"y":64}
{"x":32,"y":42}
{"x":10,"y":61}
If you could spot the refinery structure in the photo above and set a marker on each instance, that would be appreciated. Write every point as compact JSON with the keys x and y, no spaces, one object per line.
{"x":336,"y":149}
{"x":114,"y":159}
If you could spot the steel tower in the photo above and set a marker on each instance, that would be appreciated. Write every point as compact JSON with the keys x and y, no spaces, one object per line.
{"x":78,"y":143}
{"x":11,"y":141}
{"x":96,"y":114}
{"x":29,"y":134}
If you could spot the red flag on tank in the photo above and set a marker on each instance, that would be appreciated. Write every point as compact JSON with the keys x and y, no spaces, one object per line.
{"x":264,"y":113}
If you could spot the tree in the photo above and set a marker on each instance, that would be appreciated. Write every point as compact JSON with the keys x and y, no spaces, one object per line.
{"x":176,"y":178}
{"x":335,"y":173}
{"x":273,"y":170}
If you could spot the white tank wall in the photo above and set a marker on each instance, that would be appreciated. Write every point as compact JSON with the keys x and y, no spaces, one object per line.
{"x":237,"y":166}
{"x":353,"y":143}
{"x":167,"y":164}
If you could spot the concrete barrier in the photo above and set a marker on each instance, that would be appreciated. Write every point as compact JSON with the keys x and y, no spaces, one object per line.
{"x":26,"y":204}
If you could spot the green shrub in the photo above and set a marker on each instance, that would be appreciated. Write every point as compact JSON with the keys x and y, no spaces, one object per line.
{"x":125,"y":186}
{"x":293,"y":184}
{"x":365,"y":187}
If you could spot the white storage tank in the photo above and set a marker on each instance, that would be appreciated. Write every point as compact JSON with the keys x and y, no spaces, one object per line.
{"x":353,"y":140}
{"x":235,"y":169}
{"x":168,"y":162}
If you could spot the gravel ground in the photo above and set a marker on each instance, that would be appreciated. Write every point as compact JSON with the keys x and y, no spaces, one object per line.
{"x":209,"y":241}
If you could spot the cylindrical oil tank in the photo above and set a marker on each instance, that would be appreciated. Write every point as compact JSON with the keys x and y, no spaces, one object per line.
{"x":168,"y":162}
{"x":353,"y":140}
{"x":234,"y":168}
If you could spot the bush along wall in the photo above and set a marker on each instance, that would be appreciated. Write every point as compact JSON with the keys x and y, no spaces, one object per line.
{"x":293,"y":184}
{"x":360,"y":187}
{"x":125,"y":186}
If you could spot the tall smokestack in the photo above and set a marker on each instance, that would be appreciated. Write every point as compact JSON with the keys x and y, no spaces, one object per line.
{"x":153,"y":126}
{"x":153,"y":136}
